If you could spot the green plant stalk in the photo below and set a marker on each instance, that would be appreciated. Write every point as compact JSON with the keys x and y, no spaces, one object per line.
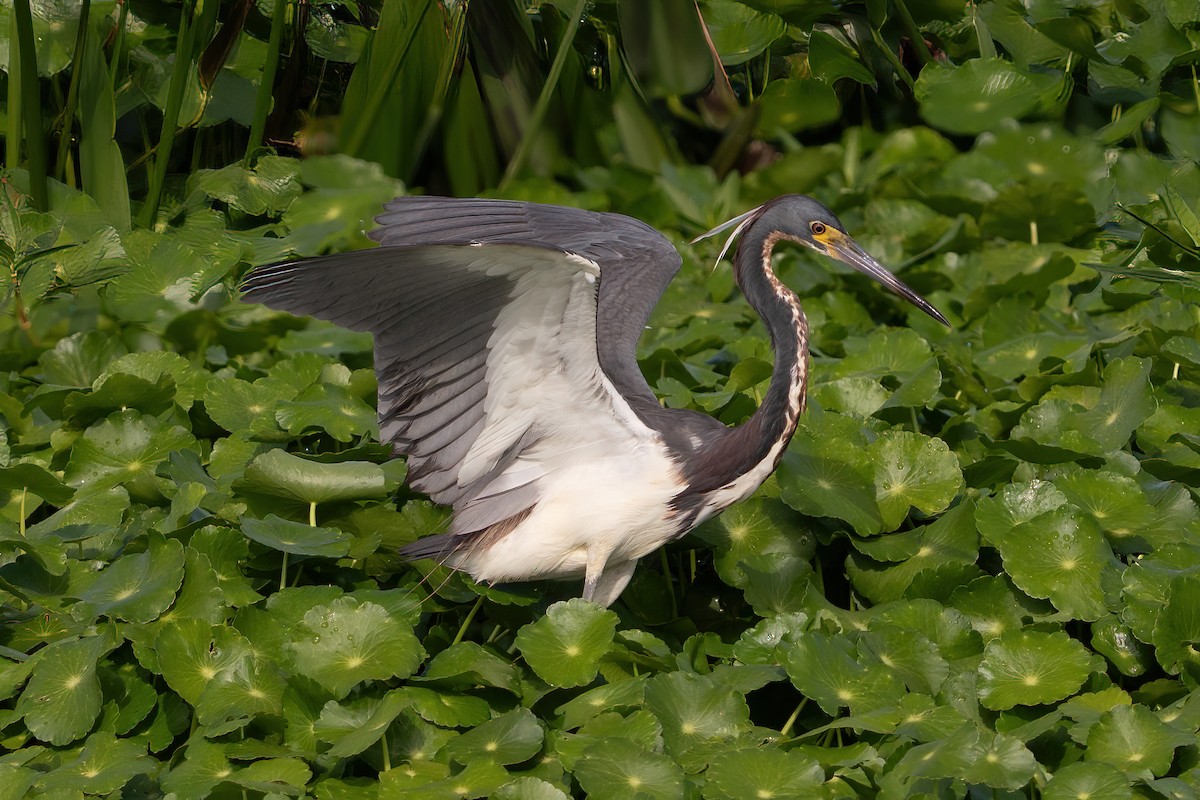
{"x":918,"y":38}
{"x":166,"y":138}
{"x":543,"y":102}
{"x":31,"y":103}
{"x":262,"y":99}
{"x":312,"y":515}
{"x":118,"y":45}
{"x":283,"y":572}
{"x":666,"y":570}
{"x":458,"y":29}
{"x":462,"y":630}
{"x":892,"y":59}
{"x":12,"y":135}
{"x":358,"y":134}
{"x":68,"y":114}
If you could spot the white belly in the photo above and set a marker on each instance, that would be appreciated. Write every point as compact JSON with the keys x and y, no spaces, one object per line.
{"x":615,"y":507}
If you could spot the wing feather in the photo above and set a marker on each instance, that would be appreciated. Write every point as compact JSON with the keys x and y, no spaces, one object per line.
{"x":492,"y":339}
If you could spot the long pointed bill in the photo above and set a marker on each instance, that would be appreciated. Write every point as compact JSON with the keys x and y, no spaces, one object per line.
{"x":846,"y":250}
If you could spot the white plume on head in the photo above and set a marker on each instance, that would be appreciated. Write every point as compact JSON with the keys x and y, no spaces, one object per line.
{"x":740,"y":221}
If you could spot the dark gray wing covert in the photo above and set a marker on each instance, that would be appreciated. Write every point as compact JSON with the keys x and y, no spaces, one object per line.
{"x":433,"y":295}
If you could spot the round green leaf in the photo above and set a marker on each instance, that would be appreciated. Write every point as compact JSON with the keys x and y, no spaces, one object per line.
{"x":763,"y":772}
{"x":796,"y":104}
{"x":124,"y":450}
{"x":446,"y":708}
{"x":467,"y":664}
{"x":137,"y":587}
{"x":341,"y":644}
{"x":280,"y":474}
{"x":824,"y":668}
{"x":1177,"y":628}
{"x":192,"y":655}
{"x":1132,"y":738}
{"x":1061,"y":556}
{"x":354,"y":727}
{"x":508,"y":739}
{"x":62,"y":699}
{"x":912,"y":470}
{"x":105,"y":764}
{"x":695,"y":710}
{"x":617,"y":769}
{"x":973,"y":755}
{"x":527,"y":788}
{"x":329,"y":408}
{"x":35,"y":480}
{"x":979,"y":94}
{"x":1031,"y":668}
{"x":564,"y":647}
{"x":1090,"y":780}
{"x":297,"y":538}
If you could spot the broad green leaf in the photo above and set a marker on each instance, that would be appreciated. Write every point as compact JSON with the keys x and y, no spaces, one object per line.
{"x":607,"y":697}
{"x":695,"y":711}
{"x":105,"y":764}
{"x":330,"y":408}
{"x":565,"y":646}
{"x":763,"y":772}
{"x":981,"y":93}
{"x":528,"y":788}
{"x":124,"y":450}
{"x":192,"y":655}
{"x":914,"y":471}
{"x":1133,"y":739}
{"x":975,"y":756}
{"x":1031,"y":668}
{"x":616,"y":769}
{"x":508,"y":739}
{"x":739,"y":33}
{"x":448,"y":708}
{"x":249,"y":687}
{"x":297,"y":538}
{"x":826,"y":473}
{"x":35,"y":480}
{"x":136,"y":587}
{"x":62,"y":699}
{"x":467,"y":664}
{"x":1061,"y":556}
{"x":992,"y":606}
{"x":238,"y":405}
{"x":77,"y":360}
{"x":796,"y":104}
{"x":341,"y":644}
{"x":353,"y":728}
{"x":824,"y":668}
{"x":1116,"y":642}
{"x":1177,"y":630}
{"x":431,"y":782}
{"x":281,"y":474}
{"x":1095,"y":781}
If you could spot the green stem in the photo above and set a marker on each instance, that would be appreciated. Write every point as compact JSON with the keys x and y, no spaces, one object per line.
{"x":118,"y":46}
{"x":387,"y":757}
{"x":543,"y":102}
{"x":666,"y":570}
{"x":462,"y":630}
{"x":12,"y":134}
{"x":918,"y":37}
{"x":312,"y":515}
{"x":787,"y":726}
{"x":31,"y":103}
{"x":68,"y":115}
{"x":262,"y":100}
{"x":25,"y":491}
{"x":283,"y":573}
{"x":175,"y":92}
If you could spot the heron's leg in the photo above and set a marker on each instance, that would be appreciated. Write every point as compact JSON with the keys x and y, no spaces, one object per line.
{"x":604,"y":587}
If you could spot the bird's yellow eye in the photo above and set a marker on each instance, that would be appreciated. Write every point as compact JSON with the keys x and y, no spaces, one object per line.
{"x":817,"y":228}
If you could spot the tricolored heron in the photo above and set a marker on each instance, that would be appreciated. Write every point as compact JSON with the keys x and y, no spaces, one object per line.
{"x":505,"y":337}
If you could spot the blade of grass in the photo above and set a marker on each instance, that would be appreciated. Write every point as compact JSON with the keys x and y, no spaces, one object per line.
{"x":166,"y":138}
{"x":31,"y":102}
{"x":262,"y":99}
{"x":12,"y":134}
{"x":101,"y":167}
{"x":543,"y":103}
{"x":381,"y":84}
{"x":68,"y":115}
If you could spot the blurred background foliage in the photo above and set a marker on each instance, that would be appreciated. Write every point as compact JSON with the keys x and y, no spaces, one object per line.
{"x":1029,"y":165}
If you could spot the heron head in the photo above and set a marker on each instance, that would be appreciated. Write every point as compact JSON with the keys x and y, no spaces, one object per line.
{"x":799,"y":218}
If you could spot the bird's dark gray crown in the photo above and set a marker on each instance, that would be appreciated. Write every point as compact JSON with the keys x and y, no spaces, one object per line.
{"x":792,"y":215}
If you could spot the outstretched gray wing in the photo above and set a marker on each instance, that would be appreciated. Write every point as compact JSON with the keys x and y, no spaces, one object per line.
{"x":504,"y":333}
